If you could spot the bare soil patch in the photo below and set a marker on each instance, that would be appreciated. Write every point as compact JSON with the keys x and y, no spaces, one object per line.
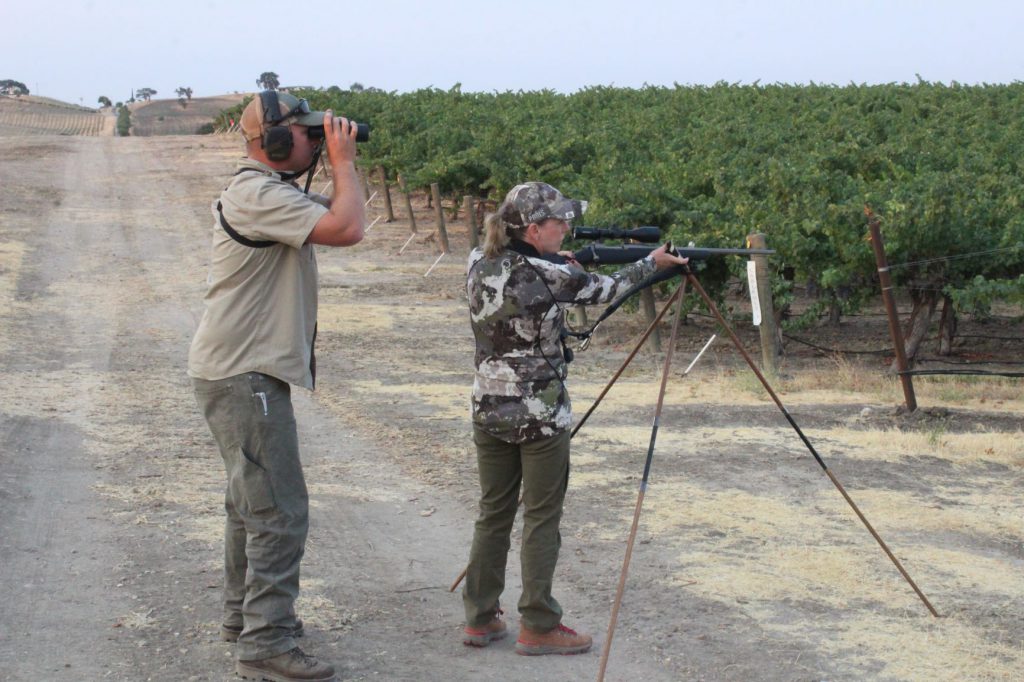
{"x":749,"y":565}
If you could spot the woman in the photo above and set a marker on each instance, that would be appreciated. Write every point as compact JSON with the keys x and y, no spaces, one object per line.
{"x":517,"y":284}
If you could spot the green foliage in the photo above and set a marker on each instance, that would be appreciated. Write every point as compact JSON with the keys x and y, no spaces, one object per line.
{"x":104,"y":101}
{"x":940,"y":164}
{"x":145,"y":93}
{"x":13,"y":87}
{"x":268,"y":80}
{"x":124,"y":122}
{"x":225,"y":117}
{"x":978,"y":295}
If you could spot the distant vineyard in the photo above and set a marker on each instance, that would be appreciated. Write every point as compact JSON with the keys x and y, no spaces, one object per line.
{"x":35,"y":116}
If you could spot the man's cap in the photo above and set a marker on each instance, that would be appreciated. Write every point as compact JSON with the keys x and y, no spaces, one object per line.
{"x":534,"y":202}
{"x":255,"y":120}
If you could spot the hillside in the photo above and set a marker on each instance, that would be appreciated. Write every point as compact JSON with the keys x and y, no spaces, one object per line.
{"x":30,"y":115}
{"x":168,"y":117}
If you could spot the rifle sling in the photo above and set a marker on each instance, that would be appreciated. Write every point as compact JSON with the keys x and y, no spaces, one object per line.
{"x":244,"y":241}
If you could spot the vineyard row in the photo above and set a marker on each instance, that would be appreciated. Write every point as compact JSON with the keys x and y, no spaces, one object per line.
{"x":940,"y":164}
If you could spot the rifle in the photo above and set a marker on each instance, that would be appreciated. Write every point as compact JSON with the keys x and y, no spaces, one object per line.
{"x":622,"y":254}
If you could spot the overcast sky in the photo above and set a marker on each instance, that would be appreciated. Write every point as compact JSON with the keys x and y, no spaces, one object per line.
{"x":77,"y":50}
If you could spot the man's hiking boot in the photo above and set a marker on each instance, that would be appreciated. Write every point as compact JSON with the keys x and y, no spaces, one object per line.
{"x":230,"y":633}
{"x":291,"y":666}
{"x":561,"y":640}
{"x":484,"y":635}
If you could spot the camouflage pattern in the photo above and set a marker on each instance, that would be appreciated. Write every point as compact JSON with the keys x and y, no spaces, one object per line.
{"x":534,"y":202}
{"x":515,"y":305}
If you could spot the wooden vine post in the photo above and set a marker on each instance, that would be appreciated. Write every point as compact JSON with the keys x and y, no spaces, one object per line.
{"x":771,"y":346}
{"x":408,"y":202}
{"x":366,"y":185}
{"x":389,"y":211}
{"x":885,"y":281}
{"x":442,"y":231}
{"x":647,"y":301}
{"x":469,"y":207}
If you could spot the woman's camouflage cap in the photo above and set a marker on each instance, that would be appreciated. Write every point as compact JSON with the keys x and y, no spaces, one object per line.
{"x":534,"y":202}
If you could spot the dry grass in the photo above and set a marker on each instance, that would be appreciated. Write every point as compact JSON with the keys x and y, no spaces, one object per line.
{"x":168,"y":117}
{"x":842,"y":380}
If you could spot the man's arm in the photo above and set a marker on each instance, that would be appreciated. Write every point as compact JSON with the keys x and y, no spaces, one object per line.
{"x":344,"y":222}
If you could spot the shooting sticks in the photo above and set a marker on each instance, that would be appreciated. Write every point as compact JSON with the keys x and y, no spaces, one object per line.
{"x":643,"y":488}
{"x":643,"y":485}
{"x":650,"y":329}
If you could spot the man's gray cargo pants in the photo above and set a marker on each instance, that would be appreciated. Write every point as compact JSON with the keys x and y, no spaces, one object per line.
{"x":251,"y":418}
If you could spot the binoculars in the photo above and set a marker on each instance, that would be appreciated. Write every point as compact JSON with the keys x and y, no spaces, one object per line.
{"x":316,"y":133}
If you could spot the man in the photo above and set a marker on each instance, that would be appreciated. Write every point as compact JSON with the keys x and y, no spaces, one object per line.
{"x":521,"y":408}
{"x":255,"y":339}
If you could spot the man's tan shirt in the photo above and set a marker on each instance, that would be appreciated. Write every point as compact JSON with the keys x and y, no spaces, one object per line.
{"x":261,"y":304}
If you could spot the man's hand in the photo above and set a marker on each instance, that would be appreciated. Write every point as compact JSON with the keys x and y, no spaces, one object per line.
{"x":340,"y":134}
{"x":343,"y":224}
{"x":663,"y":259}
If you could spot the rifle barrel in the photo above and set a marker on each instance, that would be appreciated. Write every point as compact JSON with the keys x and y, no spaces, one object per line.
{"x":622,"y":254}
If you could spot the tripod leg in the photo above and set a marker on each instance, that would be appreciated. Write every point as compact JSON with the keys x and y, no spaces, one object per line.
{"x":640,"y":496}
{"x":680,"y":290}
{"x":746,"y":356}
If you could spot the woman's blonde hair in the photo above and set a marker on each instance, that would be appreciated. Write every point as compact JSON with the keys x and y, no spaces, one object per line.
{"x":497,"y":233}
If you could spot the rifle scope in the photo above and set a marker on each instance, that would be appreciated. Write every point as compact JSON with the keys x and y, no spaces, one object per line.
{"x":650,"y":235}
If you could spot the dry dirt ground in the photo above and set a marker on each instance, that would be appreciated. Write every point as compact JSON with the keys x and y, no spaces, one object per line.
{"x":748,"y":563}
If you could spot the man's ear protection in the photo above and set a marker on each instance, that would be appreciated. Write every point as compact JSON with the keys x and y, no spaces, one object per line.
{"x":277,"y":139}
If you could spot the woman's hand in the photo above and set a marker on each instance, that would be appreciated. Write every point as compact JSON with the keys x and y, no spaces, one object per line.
{"x":665,"y":259}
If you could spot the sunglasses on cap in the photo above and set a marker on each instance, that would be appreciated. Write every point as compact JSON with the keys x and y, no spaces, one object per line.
{"x":299,"y":109}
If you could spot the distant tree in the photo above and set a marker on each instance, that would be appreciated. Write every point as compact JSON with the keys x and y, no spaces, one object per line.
{"x":12,"y":87}
{"x":124,"y":122}
{"x":268,"y":80}
{"x":184,"y":92}
{"x":103,"y":101}
{"x":359,"y":87}
{"x":145,"y":93}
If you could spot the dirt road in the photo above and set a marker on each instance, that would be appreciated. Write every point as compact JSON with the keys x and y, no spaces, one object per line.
{"x":748,"y":564}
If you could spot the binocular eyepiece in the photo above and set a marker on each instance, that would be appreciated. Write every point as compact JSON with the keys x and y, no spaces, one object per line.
{"x":649,"y":235}
{"x":316,"y":133}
